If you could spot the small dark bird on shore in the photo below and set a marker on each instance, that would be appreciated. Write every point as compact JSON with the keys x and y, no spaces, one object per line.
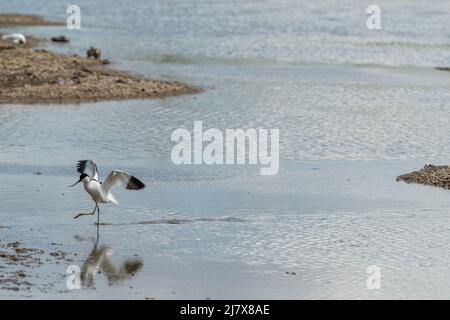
{"x":60,"y":39}
{"x":93,"y":53}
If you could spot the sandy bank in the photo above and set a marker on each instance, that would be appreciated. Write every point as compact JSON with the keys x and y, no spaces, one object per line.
{"x":438,"y":176}
{"x":29,"y":75}
{"x":12,"y":19}
{"x":34,"y":76}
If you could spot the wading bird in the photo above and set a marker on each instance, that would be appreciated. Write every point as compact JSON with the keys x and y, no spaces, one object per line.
{"x":101,"y":192}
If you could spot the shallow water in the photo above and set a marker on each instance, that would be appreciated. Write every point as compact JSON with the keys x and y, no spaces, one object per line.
{"x":355,"y":109}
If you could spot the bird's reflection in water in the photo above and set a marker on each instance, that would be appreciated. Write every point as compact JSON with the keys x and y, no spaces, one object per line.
{"x":99,"y":260}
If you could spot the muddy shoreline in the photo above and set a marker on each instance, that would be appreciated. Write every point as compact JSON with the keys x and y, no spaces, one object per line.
{"x":14,"y":19}
{"x":431,"y":175}
{"x":29,"y":75}
{"x":20,"y":260}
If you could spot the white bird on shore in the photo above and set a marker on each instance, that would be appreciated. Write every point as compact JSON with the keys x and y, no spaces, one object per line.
{"x":16,"y":38}
{"x":101,"y":192}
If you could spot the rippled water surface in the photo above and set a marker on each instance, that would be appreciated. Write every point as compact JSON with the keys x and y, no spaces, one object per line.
{"x":355,"y":108}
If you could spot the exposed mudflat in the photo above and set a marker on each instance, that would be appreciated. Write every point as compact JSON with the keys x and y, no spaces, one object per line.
{"x":30,"y":75}
{"x":17,"y":260}
{"x":438,"y":176}
{"x":12,"y":19}
{"x":35,"y":76}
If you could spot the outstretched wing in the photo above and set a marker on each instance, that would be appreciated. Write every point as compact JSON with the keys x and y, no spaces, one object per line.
{"x":121,"y":177}
{"x":88,"y":167}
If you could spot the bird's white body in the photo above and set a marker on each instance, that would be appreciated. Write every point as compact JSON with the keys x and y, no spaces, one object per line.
{"x":97,"y":192}
{"x":16,"y":38}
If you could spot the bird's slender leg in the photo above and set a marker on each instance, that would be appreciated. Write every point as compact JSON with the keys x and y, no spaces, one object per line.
{"x":98,"y":223}
{"x":98,"y":215}
{"x":88,"y":213}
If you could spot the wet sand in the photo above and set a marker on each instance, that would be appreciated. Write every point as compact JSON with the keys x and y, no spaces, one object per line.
{"x":17,"y":260}
{"x":152,"y":247}
{"x":30,"y":75}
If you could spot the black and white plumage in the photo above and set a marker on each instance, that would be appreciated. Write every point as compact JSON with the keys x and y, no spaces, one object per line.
{"x":88,"y":167}
{"x":101,"y":192}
